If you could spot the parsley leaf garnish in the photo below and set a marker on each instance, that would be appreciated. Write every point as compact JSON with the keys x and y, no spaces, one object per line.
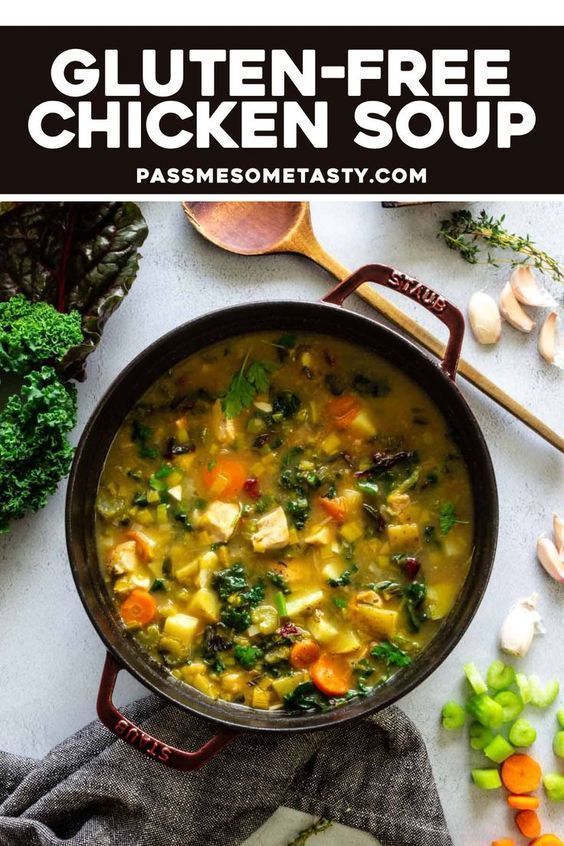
{"x":245,"y":385}
{"x":447,"y":517}
{"x":391,"y":654}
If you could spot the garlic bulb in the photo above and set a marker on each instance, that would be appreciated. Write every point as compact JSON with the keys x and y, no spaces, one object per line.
{"x":550,"y":343}
{"x":513,"y":312}
{"x":485,"y":318}
{"x":527,"y":290}
{"x":520,"y":626}
{"x":548,"y":556}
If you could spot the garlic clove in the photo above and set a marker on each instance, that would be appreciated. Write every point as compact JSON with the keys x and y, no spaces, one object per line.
{"x":485,"y":318}
{"x":527,"y":290}
{"x":512,"y":311}
{"x":550,"y":344}
{"x":558,"y":531}
{"x":548,"y":556}
{"x":520,"y":626}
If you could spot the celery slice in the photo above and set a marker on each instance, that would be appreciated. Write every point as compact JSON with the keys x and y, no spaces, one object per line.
{"x":499,"y":749}
{"x":487,"y":779}
{"x":541,"y":696}
{"x":475,"y":679}
{"x":511,"y":703}
{"x":522,"y":733}
{"x":558,"y":744}
{"x":560,"y":717}
{"x":524,"y":686}
{"x":480,"y":736}
{"x":453,"y":716}
{"x":554,"y":786}
{"x":485,"y":710}
{"x":500,"y":676}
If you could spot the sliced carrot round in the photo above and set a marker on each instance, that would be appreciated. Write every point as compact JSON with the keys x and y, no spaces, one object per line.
{"x":225,"y":477}
{"x":331,"y":674}
{"x":521,"y":774}
{"x":528,"y":823}
{"x":335,"y":508}
{"x":304,"y":653}
{"x":505,"y":841}
{"x":546,"y":840}
{"x":343,"y":410}
{"x":523,"y":803}
{"x":139,"y":607}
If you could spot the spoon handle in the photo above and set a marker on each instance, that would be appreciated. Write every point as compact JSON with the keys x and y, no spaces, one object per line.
{"x":427,"y":340}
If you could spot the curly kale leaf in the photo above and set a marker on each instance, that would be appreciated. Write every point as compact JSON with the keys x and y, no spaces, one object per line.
{"x":35,"y":333}
{"x":34,"y":451}
{"x":77,"y":257}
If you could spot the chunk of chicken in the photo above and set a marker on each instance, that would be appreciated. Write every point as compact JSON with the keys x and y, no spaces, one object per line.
{"x":272,"y":531}
{"x":223,"y":427}
{"x":123,"y":558}
{"x":220,"y":519}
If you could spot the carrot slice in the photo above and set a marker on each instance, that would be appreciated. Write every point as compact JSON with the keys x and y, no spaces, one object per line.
{"x":520,"y":774}
{"x":304,"y":653}
{"x":528,"y":823}
{"x":331,"y":674}
{"x":523,"y":803}
{"x":505,"y":841}
{"x":344,"y":409}
{"x":335,"y":508}
{"x":225,"y":477}
{"x":546,"y":840}
{"x":139,"y":607}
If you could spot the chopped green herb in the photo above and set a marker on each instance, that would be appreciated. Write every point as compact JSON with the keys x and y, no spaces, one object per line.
{"x":447,"y":517}
{"x":278,"y":580}
{"x":247,"y":656}
{"x":391,"y":654}
{"x":345,"y":577}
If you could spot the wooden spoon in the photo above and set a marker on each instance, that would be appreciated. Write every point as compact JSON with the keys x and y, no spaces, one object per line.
{"x":260,"y":228}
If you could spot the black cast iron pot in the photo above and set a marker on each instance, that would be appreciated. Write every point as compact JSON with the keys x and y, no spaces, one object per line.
{"x":323,"y":317}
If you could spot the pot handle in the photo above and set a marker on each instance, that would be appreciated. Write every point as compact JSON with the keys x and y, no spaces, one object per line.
{"x":121,"y":726}
{"x":415,"y":290}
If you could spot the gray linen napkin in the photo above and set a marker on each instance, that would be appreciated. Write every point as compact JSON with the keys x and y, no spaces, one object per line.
{"x":95,"y":790}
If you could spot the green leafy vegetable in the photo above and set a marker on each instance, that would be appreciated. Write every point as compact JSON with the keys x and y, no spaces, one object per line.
{"x":34,"y":450}
{"x":229,"y":581}
{"x":466,"y":234}
{"x":77,"y":257}
{"x":278,"y":580}
{"x":32,"y":334}
{"x":391,"y":654}
{"x":345,"y":577}
{"x":247,"y":656}
{"x":447,"y":517}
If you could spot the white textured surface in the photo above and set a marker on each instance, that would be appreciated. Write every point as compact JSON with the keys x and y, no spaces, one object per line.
{"x":50,"y":656}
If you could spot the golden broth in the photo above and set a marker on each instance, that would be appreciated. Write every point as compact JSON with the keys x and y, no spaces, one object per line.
{"x":284,"y":521}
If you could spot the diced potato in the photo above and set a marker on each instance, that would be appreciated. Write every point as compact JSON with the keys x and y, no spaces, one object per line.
{"x":313,"y":412}
{"x":183,"y":627}
{"x":187,"y":573}
{"x":331,"y":444}
{"x":139,"y":581}
{"x":184,"y":461}
{"x":201,"y":682}
{"x":287,"y":684}
{"x":220,"y":519}
{"x":320,"y":535}
{"x":380,"y":621}
{"x":234,"y":682}
{"x":363,"y":425}
{"x":176,"y":492}
{"x":123,"y":558}
{"x":145,"y":517}
{"x":352,"y":531}
{"x":209,"y":559}
{"x":301,"y":603}
{"x":261,"y":698}
{"x":223,"y":427}
{"x":322,"y":629}
{"x":272,"y":531}
{"x":440,"y":599}
{"x":454,"y":545}
{"x":191,"y":670}
{"x":122,"y":586}
{"x":205,"y":604}
{"x":353,"y":499}
{"x":346,"y":641}
{"x":293,"y":536}
{"x":404,"y":536}
{"x":398,"y":502}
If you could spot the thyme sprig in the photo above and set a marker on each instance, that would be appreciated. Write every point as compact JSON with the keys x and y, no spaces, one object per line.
{"x":469,"y":234}
{"x":315,"y":828}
